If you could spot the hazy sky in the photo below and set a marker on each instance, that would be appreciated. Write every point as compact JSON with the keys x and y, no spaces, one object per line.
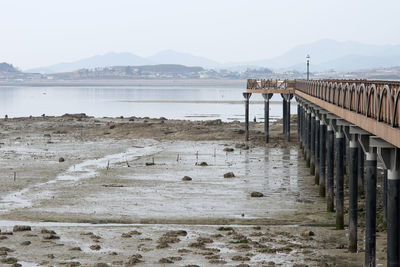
{"x":43,"y":32}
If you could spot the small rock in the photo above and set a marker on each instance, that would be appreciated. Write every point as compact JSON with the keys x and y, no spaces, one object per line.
{"x":165,"y":260}
{"x":46,"y":231}
{"x":134,"y":232}
{"x":95,"y":247}
{"x":51,"y":237}
{"x":26,"y":243}
{"x":240,"y":258}
{"x":6,"y":249}
{"x":307,"y":233}
{"x":256,"y":194}
{"x":75,"y":249}
{"x":186,"y":178}
{"x":50,"y":256}
{"x":229,"y":175}
{"x":47,"y":135}
{"x":112,"y":126}
{"x":10,"y":260}
{"x":73,"y":264}
{"x":202,"y":163}
{"x":21,"y":228}
{"x":126,"y":235}
{"x":150,"y":163}
{"x":6,"y":233}
{"x":61,"y":159}
{"x":228,"y":149}
{"x":134,"y":259}
{"x":101,"y":264}
{"x":16,"y":265}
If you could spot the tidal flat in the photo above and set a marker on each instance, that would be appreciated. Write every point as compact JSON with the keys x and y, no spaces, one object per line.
{"x":111,"y":192}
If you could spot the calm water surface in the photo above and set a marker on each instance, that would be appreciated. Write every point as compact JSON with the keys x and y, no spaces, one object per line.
{"x":171,"y":99}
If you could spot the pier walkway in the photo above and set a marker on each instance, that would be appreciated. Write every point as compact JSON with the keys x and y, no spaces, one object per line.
{"x":362,"y":116}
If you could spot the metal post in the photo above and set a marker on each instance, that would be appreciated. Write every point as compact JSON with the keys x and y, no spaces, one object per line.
{"x":316,"y":144}
{"x":288,"y":119}
{"x":330,"y":171}
{"x":360,"y":173}
{"x":370,"y":202}
{"x":266,"y":116}
{"x":247,"y":101}
{"x":353,"y":190}
{"x":339,"y":180}
{"x":322,"y":158}
{"x":312,"y":145}
{"x":393,"y":210}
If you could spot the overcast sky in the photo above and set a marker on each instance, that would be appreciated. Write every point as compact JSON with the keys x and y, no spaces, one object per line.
{"x":43,"y":32}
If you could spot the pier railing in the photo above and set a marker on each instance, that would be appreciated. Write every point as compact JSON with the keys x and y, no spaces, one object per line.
{"x":379,"y":100}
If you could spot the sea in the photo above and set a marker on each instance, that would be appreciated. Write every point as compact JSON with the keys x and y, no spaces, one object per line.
{"x":172,"y":99}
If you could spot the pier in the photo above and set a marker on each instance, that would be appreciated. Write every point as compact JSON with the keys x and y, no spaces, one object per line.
{"x":362,"y":116}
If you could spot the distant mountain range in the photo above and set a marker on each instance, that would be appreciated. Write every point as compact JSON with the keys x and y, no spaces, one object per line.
{"x":325,"y":55}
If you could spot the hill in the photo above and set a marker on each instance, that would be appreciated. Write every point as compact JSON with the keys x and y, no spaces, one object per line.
{"x":5,"y":67}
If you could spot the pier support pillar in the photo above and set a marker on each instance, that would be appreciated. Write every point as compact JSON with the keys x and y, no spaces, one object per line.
{"x":267,"y":97}
{"x":284,"y":114}
{"x":360,"y":173}
{"x":316,"y":145}
{"x":312,"y":144}
{"x":298,"y":122}
{"x":308,"y":134}
{"x":390,"y":157}
{"x":322,"y":158}
{"x":288,"y":118}
{"x":370,"y":202}
{"x":330,"y":171}
{"x":247,"y":102}
{"x":353,"y":190}
{"x":339,"y":180}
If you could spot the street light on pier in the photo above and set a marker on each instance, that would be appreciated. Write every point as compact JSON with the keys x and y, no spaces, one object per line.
{"x":308,"y":67}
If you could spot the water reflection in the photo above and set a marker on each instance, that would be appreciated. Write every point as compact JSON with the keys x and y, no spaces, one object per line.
{"x":126,"y":101}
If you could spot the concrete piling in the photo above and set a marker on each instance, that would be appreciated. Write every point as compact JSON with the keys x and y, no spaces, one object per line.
{"x":312,"y":144}
{"x":267,"y":97}
{"x":330,"y":171}
{"x":288,"y":119}
{"x":322,"y":158}
{"x":353,"y":193}
{"x":316,"y":145}
{"x":308,"y":133}
{"x":339,"y":180}
{"x":393,"y":209}
{"x":246,"y":119}
{"x":360,"y":173}
{"x":370,"y":203}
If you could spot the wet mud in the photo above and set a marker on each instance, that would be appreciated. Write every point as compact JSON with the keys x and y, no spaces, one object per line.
{"x":106,"y":205}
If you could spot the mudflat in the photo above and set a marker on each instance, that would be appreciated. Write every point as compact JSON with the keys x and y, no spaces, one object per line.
{"x":152,"y":192}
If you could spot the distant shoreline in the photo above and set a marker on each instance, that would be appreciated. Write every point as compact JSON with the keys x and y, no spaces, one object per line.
{"x":156,"y":82}
{"x":233,"y":102}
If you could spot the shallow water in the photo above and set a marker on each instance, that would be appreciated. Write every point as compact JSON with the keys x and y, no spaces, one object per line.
{"x":173,"y":100}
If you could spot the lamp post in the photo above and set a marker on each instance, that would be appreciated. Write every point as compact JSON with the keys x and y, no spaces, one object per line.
{"x":308,"y":67}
